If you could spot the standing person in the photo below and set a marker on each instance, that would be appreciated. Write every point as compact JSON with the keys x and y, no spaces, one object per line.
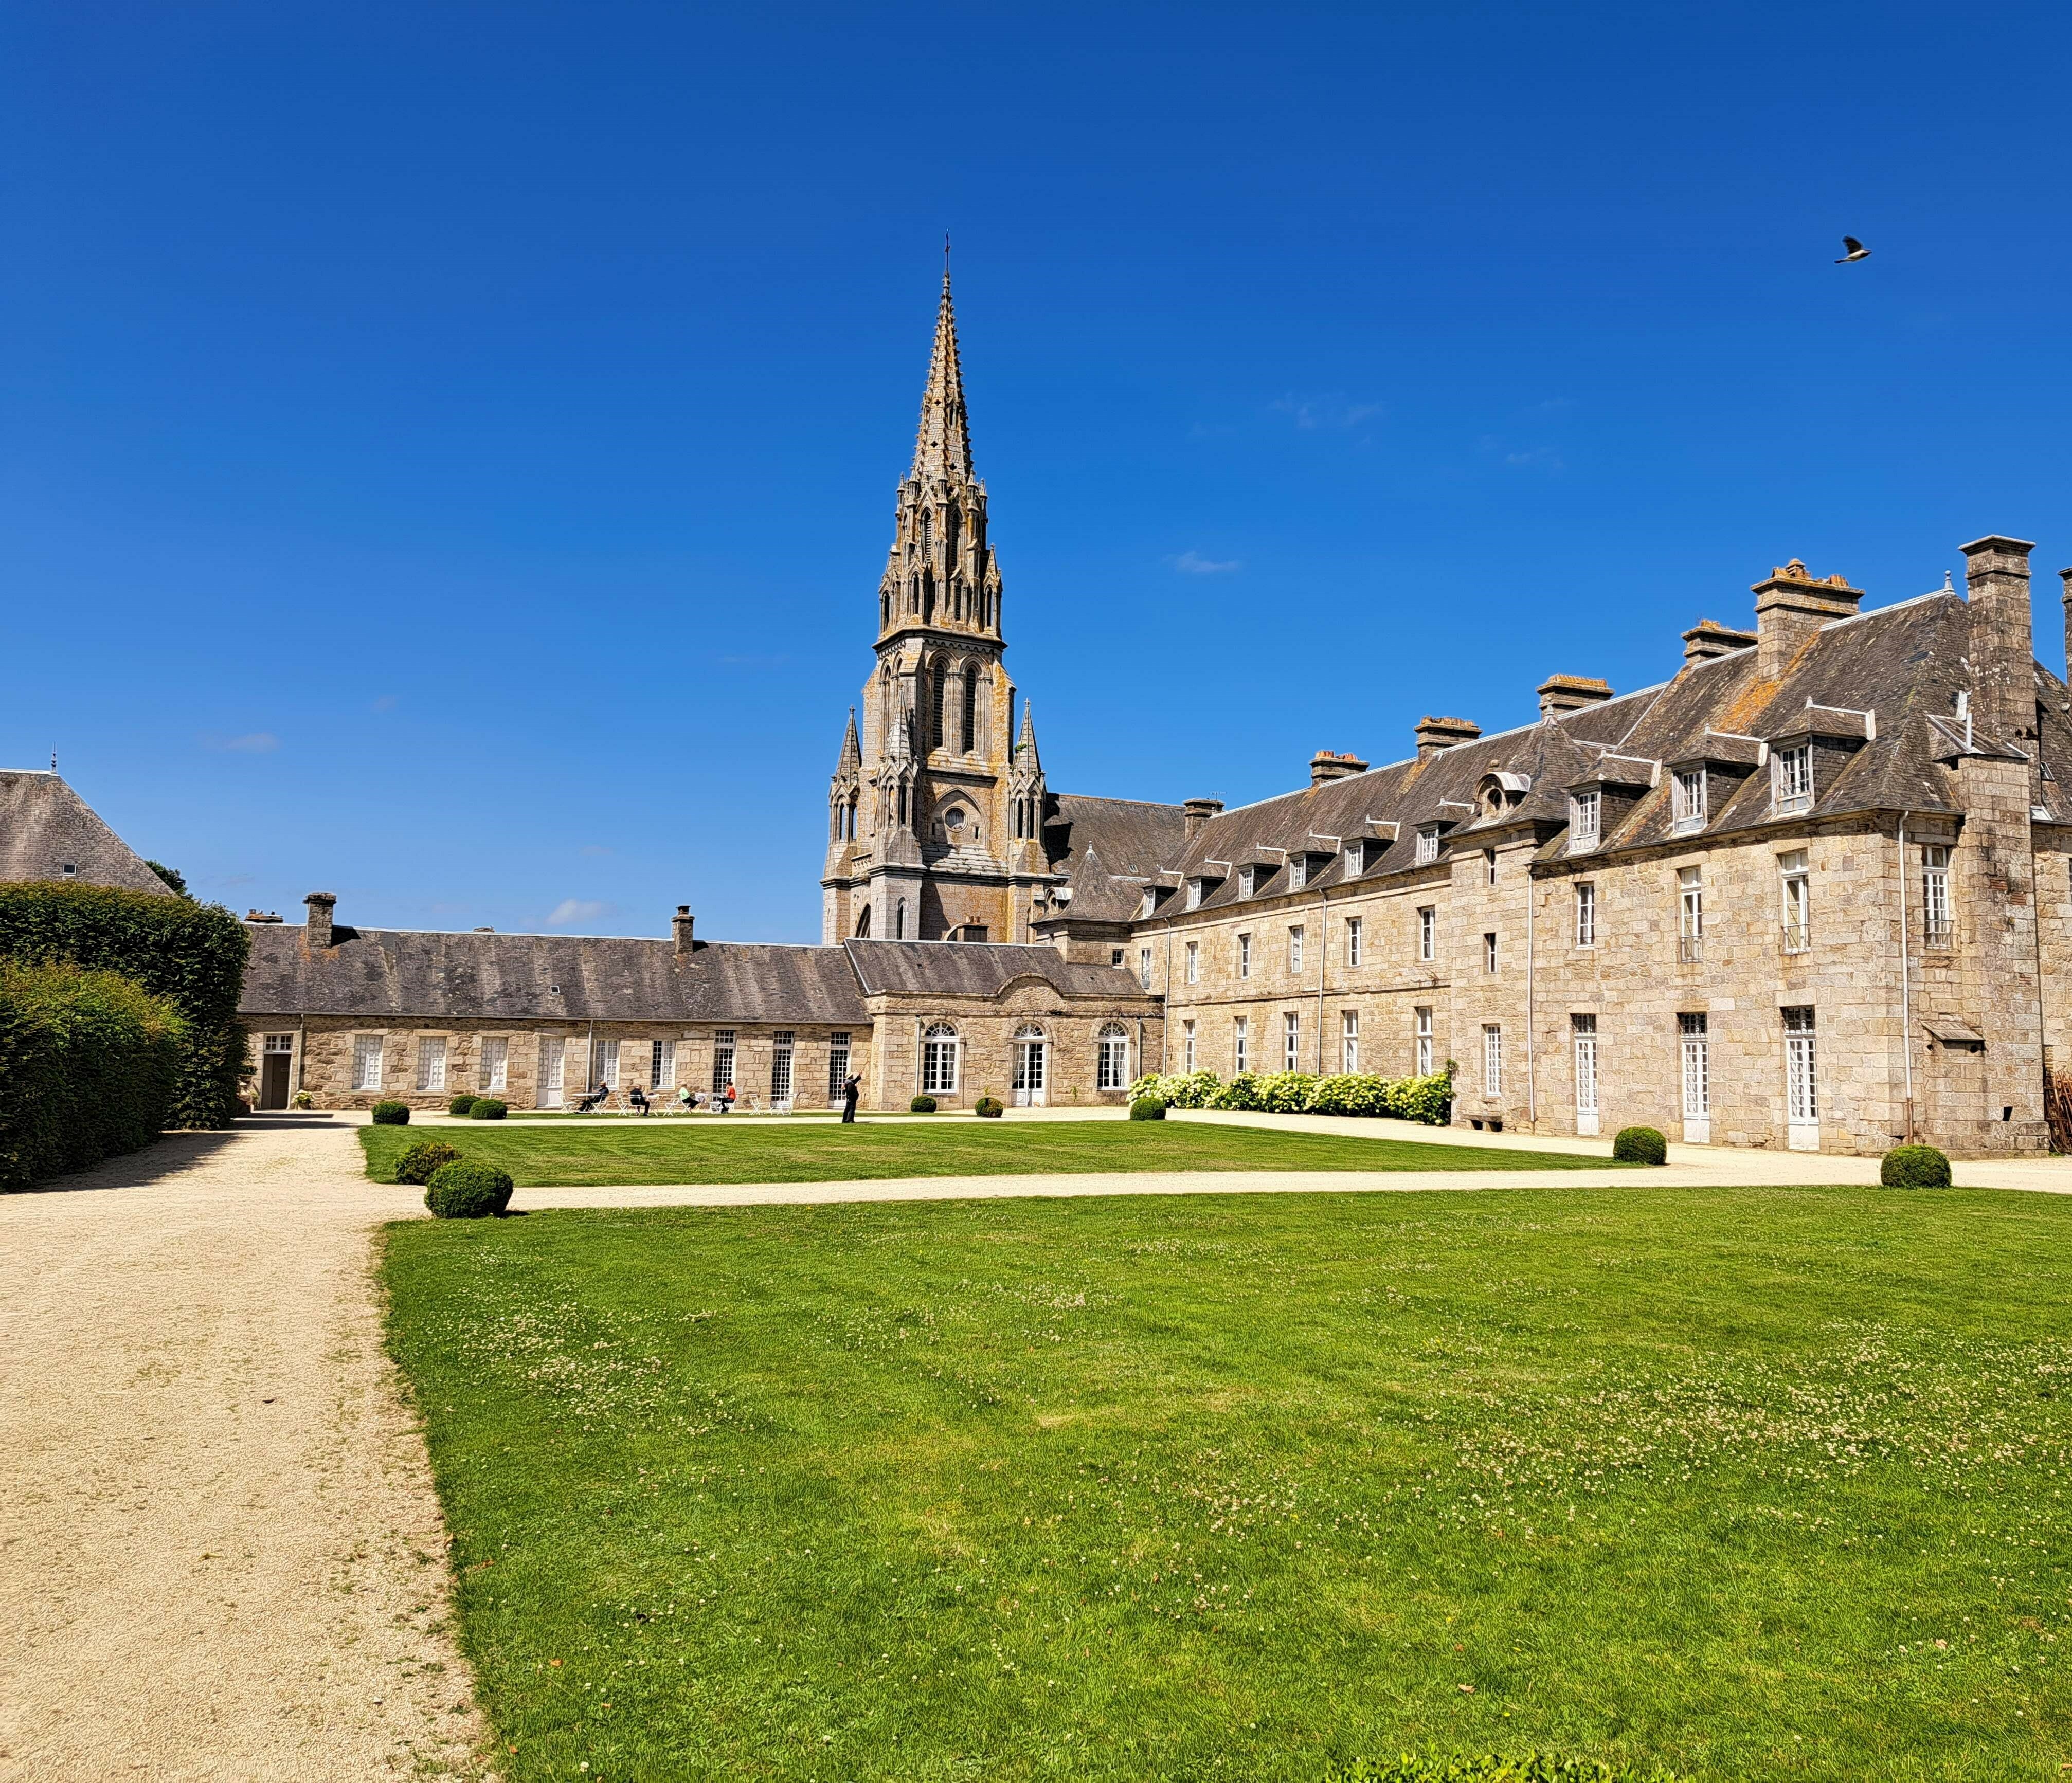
{"x":851,"y":1086}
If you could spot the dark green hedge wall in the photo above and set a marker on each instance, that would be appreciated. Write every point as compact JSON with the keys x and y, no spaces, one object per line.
{"x":89,"y":1065}
{"x":191,"y":955}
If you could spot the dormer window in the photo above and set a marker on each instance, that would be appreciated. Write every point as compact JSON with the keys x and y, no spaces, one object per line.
{"x":1150,"y":903}
{"x":1585,"y":818}
{"x":1428,"y":844}
{"x":1690,"y":801}
{"x":1193,"y":894}
{"x":1248,"y":881}
{"x":1792,"y":783}
{"x":1355,"y":857}
{"x":1298,"y":872}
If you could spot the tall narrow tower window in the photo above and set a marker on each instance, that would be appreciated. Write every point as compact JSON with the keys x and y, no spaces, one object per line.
{"x":938,"y":687}
{"x":971,"y":707}
{"x":927,"y":530}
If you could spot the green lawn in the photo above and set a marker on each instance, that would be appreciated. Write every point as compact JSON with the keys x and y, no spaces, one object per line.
{"x":562,"y":1156}
{"x":1754,"y":1483}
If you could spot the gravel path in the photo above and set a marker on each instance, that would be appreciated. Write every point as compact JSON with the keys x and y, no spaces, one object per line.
{"x":220,"y":1555}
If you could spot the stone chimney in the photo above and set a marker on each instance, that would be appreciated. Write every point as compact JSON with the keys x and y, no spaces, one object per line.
{"x":1199,"y":812}
{"x":1997,"y":585}
{"x":1709,"y":638}
{"x":1327,"y":766}
{"x":319,"y":905}
{"x":1434,"y":734}
{"x":1571,"y":693}
{"x":681,"y":925}
{"x":2065,"y":576}
{"x":1790,"y":608}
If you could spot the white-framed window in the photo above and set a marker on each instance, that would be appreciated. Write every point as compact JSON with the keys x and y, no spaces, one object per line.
{"x":280,"y":1043}
{"x":1489,"y":866}
{"x":493,"y":1069}
{"x":1802,"y":1096}
{"x":1111,"y":1059}
{"x":1349,"y":1041}
{"x":1688,"y":793}
{"x":1585,"y":815}
{"x":1248,"y":881}
{"x":1193,"y":894}
{"x":939,"y":1060}
{"x":1794,"y":888}
{"x":1428,"y":845}
{"x":1492,"y":1059}
{"x":837,"y":1066}
{"x":1352,"y":933}
{"x":1695,"y":1043}
{"x":1489,"y":952}
{"x":1792,"y":779}
{"x":1690,"y":914}
{"x":431,"y":1061}
{"x":553,"y":1067}
{"x":1240,"y":1044}
{"x":1935,"y":895}
{"x":1291,"y":1036}
{"x":662,"y":1064}
{"x":1586,"y":913}
{"x":1244,"y":956}
{"x":1194,"y":962}
{"x":722,"y":1071}
{"x":1187,"y":1052}
{"x":899,"y":919}
{"x":1150,"y":902}
{"x":783,"y":1045}
{"x":1144,"y":967}
{"x":1583,"y":1030}
{"x":1423,"y":1031}
{"x":1295,"y":948}
{"x":1298,"y":872}
{"x":1115,"y":956}
{"x":367,"y":1061}
{"x":607,"y":1063}
{"x":1427,"y":933}
{"x":1356,"y":854}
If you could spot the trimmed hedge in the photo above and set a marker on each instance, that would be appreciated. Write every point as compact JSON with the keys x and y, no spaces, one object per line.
{"x":392,"y":1114}
{"x":989,"y":1108}
{"x":488,"y":1108}
{"x":90,"y":1068}
{"x":922,"y":1105}
{"x":460,"y":1190}
{"x":1147,"y":1109}
{"x":1490,"y":1768}
{"x":191,"y":954}
{"x":1914,"y":1166}
{"x":1640,"y":1145}
{"x":418,"y":1162}
{"x":461,"y":1104}
{"x":1428,"y":1100}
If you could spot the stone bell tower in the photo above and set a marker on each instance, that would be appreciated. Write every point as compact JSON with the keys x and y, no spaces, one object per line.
{"x":920,"y":825}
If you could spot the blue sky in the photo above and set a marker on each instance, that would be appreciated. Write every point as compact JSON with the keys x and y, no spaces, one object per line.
{"x":446,"y":453}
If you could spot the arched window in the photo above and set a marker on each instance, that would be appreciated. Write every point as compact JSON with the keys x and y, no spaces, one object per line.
{"x":971,"y":707}
{"x":1112,"y":1065}
{"x":913,"y":594}
{"x":928,"y":530}
{"x":884,"y":608}
{"x":939,"y":1060}
{"x":863,"y":924}
{"x":952,"y":532}
{"x":928,"y":594}
{"x":899,"y":921}
{"x":938,"y":684}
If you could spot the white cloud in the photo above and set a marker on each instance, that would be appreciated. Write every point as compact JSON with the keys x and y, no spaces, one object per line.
{"x":595,"y":847}
{"x":1332,"y":409}
{"x":1540,"y":457}
{"x":386,"y":703}
{"x":1193,"y":563}
{"x":576,"y":909}
{"x":256,"y":742}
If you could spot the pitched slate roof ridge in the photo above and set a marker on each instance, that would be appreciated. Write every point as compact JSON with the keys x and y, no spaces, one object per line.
{"x":44,"y":825}
{"x":977,"y":968}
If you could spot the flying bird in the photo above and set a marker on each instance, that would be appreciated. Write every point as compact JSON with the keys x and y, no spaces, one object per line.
{"x":1857,"y":251}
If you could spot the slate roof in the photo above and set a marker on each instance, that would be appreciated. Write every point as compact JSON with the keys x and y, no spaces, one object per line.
{"x":1906,"y":661}
{"x":1134,"y":836}
{"x":977,"y":968}
{"x":402,"y":972}
{"x":45,"y":826}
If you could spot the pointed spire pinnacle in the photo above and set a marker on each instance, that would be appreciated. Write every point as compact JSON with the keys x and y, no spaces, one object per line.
{"x":852,"y":750}
{"x":941,"y":447}
{"x":1026,"y":743}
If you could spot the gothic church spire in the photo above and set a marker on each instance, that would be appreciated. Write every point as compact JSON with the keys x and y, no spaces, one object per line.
{"x":942,"y":445}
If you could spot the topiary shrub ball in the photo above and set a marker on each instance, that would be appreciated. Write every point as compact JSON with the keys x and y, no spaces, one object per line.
{"x":460,"y":1190}
{"x":1914,"y":1166}
{"x":988,"y":1108}
{"x":1640,"y":1145}
{"x":1147,"y":1108}
{"x":392,"y":1114}
{"x":922,"y":1105}
{"x":488,"y":1108}
{"x":460,"y":1104}
{"x":418,"y":1164}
